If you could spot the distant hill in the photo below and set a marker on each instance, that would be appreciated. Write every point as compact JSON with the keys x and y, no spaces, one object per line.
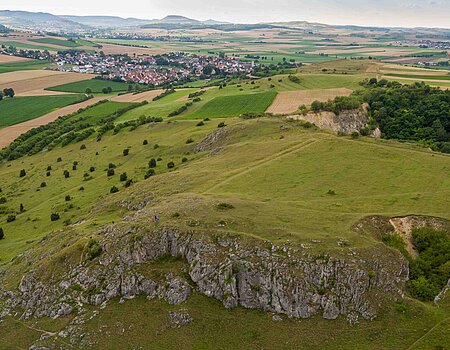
{"x":3,"y":29}
{"x":178,"y":20}
{"x":39,"y":21}
{"x":107,"y":21}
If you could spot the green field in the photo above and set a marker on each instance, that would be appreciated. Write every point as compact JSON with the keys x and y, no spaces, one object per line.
{"x":20,"y":109}
{"x":229,"y":106}
{"x":27,"y":46}
{"x":96,"y":113}
{"x":96,"y":85}
{"x":58,"y":42}
{"x":27,"y":65}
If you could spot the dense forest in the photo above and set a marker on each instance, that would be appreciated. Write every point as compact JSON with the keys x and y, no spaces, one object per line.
{"x":416,"y":112}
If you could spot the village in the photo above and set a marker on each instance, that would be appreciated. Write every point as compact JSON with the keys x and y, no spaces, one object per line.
{"x":152,"y":70}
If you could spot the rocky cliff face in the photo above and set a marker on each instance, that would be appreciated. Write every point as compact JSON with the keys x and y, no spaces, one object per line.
{"x":345,"y":122}
{"x":285,"y":280}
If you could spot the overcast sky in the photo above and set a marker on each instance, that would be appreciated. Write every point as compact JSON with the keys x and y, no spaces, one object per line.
{"x":431,"y":13}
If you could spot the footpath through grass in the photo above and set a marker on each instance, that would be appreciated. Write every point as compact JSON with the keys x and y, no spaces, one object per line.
{"x":20,"y":109}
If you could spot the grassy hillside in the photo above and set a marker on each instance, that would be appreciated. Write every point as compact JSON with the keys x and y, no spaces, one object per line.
{"x":20,"y":109}
{"x":279,"y":190}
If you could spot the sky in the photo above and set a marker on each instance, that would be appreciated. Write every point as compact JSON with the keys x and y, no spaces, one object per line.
{"x":397,"y":13}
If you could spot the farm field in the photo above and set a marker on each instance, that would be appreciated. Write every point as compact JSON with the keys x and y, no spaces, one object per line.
{"x":96,"y":85}
{"x":10,"y":133}
{"x":55,"y":41}
{"x":140,"y":97}
{"x":28,"y":45}
{"x":33,"y":82}
{"x":20,"y":109}
{"x":14,"y":66}
{"x":103,"y":110}
{"x":289,"y":101}
{"x":10,"y":59}
{"x":228,"y":106}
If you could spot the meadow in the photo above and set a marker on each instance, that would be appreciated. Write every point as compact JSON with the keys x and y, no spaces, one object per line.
{"x":19,"y":109}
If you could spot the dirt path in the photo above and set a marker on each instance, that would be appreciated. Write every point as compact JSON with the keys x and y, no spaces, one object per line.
{"x":264,"y":161}
{"x":9,"y":134}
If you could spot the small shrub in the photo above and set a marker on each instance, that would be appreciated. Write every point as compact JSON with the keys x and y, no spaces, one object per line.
{"x":145,"y":142}
{"x":200,"y":123}
{"x":91,"y":169}
{"x":111,"y":166}
{"x":114,"y":189}
{"x":82,"y":147}
{"x":224,"y":206}
{"x":21,"y":208}
{"x":2,"y":200}
{"x":54,"y":217}
{"x":22,"y":173}
{"x":68,"y":198}
{"x":93,"y":249}
{"x":2,"y":234}
{"x":155,"y":146}
{"x":129,"y":183}
{"x":74,"y":167}
{"x":221,"y":125}
{"x":170,"y":165}
{"x":49,"y":168}
{"x":11,"y":218}
{"x":126,"y":151}
{"x":189,"y":140}
{"x":354,"y":135}
{"x":149,"y":173}
{"x":152,"y":163}
{"x":81,"y":188}
{"x":43,"y":184}
{"x":48,"y":173}
{"x":331,"y":192}
{"x":59,"y":160}
{"x":123,"y":177}
{"x":66,"y":174}
{"x":110,"y":172}
{"x":184,"y":160}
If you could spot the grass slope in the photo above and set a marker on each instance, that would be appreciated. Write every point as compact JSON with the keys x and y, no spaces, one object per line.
{"x":229,"y":106}
{"x":20,"y":109}
{"x":96,"y":85}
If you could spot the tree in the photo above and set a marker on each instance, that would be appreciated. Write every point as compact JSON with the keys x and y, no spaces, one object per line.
{"x":21,"y":208}
{"x":9,"y":92}
{"x":123,"y":177}
{"x":88,"y":91}
{"x":114,"y":189}
{"x":91,"y":169}
{"x":2,"y":234}
{"x":170,"y":165}
{"x":22,"y":173}
{"x":54,"y":217}
{"x":1,"y":95}
{"x":149,"y":173}
{"x":66,"y":174}
{"x":110,"y":172}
